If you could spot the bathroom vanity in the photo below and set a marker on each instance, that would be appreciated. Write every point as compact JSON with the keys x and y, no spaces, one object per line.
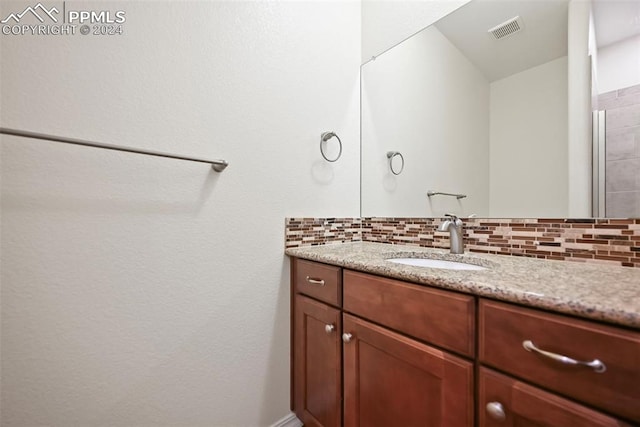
{"x":524,"y":342}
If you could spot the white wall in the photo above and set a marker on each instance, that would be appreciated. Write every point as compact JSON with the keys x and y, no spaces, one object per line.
{"x":435,"y":112}
{"x":528,"y":173}
{"x":154,"y":292}
{"x":619,"y":65}
{"x":386,"y":23}
{"x":579,"y":110}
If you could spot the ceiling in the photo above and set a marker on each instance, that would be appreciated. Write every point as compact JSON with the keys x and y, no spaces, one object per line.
{"x":615,"y":20}
{"x":542,"y":39}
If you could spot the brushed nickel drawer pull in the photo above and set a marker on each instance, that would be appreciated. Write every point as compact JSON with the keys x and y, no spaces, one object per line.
{"x":595,"y":364}
{"x":318,"y":282}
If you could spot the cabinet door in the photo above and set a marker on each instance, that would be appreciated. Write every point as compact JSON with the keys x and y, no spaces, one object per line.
{"x":392,"y":380}
{"x":505,"y":402}
{"x":317,"y":357}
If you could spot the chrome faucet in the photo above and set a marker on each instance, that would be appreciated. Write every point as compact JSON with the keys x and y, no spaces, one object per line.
{"x":454,"y":226}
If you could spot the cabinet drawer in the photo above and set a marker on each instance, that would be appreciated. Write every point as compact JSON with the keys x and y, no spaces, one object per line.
{"x":446,"y":319}
{"x":505,"y":402}
{"x":504,"y":328}
{"x":317,"y":280}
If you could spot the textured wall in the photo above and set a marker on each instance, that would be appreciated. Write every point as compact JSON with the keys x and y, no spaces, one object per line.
{"x":152,"y":292}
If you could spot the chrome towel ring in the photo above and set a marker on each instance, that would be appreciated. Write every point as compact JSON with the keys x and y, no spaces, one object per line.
{"x":390,"y":156}
{"x":324,"y":138}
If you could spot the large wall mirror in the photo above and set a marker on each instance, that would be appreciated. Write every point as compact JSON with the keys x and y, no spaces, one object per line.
{"x":477,"y":106}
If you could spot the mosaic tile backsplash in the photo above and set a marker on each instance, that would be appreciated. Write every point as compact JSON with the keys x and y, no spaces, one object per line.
{"x":320,"y":231}
{"x":605,"y":241}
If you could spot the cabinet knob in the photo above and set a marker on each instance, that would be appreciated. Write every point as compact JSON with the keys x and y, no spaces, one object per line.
{"x":496,"y":411}
{"x":329,"y":328}
{"x":347,"y":337}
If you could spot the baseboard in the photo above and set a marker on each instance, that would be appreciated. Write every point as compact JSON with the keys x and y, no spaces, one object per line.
{"x":288,"y":421}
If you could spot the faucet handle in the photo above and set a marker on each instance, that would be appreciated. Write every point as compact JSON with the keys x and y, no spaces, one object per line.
{"x":457,"y":221}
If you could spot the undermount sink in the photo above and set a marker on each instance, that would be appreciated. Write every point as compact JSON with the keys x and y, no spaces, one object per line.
{"x":436,"y":263}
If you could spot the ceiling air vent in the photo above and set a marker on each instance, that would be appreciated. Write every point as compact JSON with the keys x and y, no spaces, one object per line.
{"x":507,"y":28}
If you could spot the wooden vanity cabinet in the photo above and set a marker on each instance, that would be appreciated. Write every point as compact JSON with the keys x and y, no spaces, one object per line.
{"x":390,"y":377}
{"x":605,"y":373}
{"x":348,"y":370}
{"x":316,"y":363}
{"x":372,"y":351}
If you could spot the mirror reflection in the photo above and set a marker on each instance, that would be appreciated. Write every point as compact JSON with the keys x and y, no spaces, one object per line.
{"x":478,"y":105}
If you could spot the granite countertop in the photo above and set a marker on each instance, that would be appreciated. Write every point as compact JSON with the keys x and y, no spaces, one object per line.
{"x":593,"y":291}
